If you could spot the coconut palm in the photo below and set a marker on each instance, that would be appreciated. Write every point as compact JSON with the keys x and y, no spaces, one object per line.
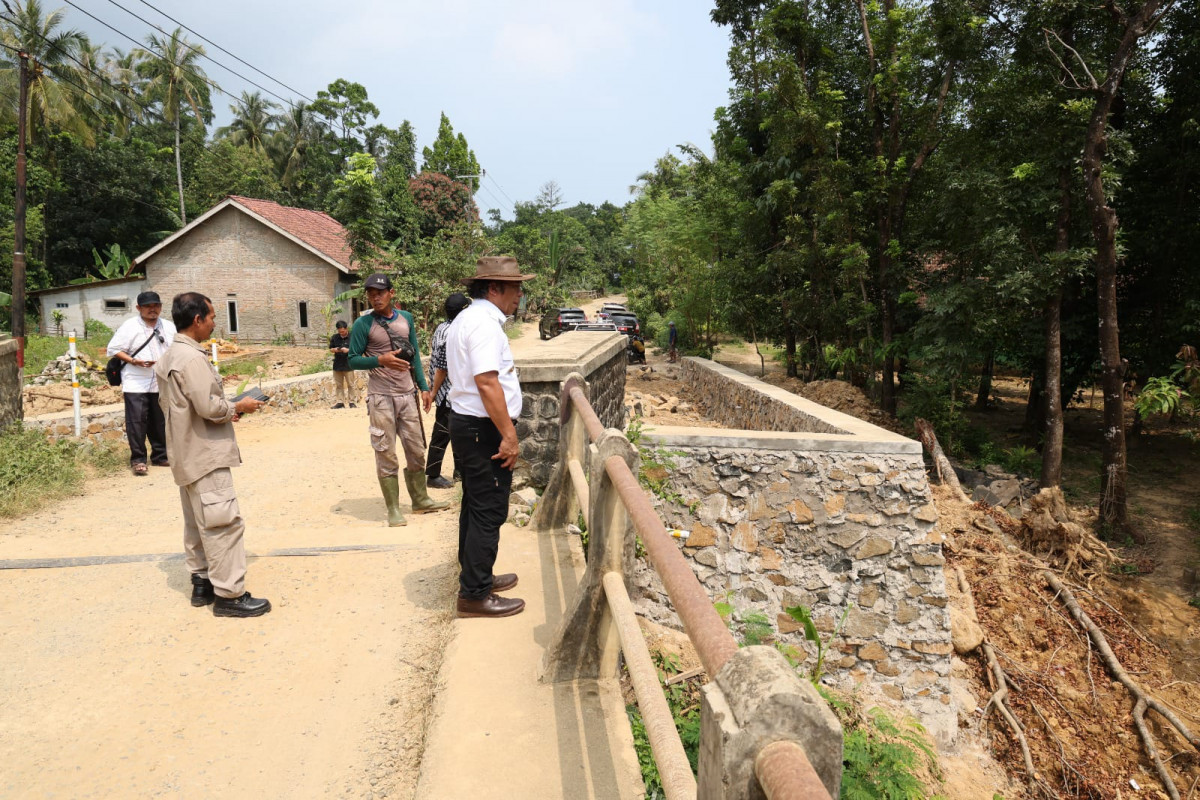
{"x":125,"y":88}
{"x":174,"y":77}
{"x":54,"y":93}
{"x":252,"y":122}
{"x":297,"y":129}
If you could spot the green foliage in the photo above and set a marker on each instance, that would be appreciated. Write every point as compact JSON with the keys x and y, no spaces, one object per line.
{"x":41,"y":350}
{"x":359,"y":207}
{"x":655,"y":465}
{"x":683,"y":698}
{"x":114,"y":264}
{"x":95,"y":329}
{"x":284,"y":340}
{"x":803,"y":615}
{"x":441,"y":202}
{"x":324,"y":365}
{"x":881,"y":758}
{"x":1022,"y":460}
{"x":1160,"y":395}
{"x":35,"y":472}
{"x":451,"y":156}
{"x":242,"y":366}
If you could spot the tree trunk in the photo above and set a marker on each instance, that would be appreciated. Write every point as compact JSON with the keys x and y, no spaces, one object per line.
{"x":179,"y":173}
{"x":985,"y":382}
{"x":887,"y":394}
{"x":1052,"y":405}
{"x":790,"y":347}
{"x":1035,"y":405}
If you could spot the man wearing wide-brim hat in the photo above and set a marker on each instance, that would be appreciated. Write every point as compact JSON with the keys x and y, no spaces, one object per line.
{"x":485,"y":401}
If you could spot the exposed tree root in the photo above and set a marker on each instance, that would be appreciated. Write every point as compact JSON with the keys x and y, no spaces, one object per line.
{"x":942,"y":464}
{"x":1143,"y":700}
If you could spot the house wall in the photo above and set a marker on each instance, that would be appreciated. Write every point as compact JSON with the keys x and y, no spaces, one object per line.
{"x":85,"y":302}
{"x":234,"y":257}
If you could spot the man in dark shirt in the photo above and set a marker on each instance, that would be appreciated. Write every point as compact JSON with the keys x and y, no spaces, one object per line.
{"x":343,"y":376}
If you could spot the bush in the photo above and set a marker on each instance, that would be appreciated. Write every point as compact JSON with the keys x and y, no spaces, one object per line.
{"x":95,"y":329}
{"x":35,"y":471}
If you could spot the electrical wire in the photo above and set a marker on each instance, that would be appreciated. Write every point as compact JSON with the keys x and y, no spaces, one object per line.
{"x":501,"y":188}
{"x":202,"y":54}
{"x":226,"y":52}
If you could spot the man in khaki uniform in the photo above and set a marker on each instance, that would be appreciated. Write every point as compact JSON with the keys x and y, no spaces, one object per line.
{"x":385,"y":342}
{"x":201,"y":441}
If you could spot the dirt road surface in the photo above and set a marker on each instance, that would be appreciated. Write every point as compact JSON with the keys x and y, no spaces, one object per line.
{"x":113,"y":685}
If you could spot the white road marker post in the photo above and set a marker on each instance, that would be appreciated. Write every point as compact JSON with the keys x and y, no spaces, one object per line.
{"x":75,"y":382}
{"x":216,"y":366}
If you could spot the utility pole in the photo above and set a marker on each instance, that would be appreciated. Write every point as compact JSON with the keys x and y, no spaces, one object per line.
{"x":18,"y":277}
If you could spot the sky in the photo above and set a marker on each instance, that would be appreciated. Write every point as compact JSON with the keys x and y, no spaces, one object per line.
{"x":584,"y":93}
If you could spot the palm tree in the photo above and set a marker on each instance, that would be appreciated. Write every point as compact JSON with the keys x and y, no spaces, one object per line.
{"x":125,"y":88}
{"x":252,"y":121}
{"x":297,"y":129}
{"x":54,"y":96}
{"x":174,"y":77}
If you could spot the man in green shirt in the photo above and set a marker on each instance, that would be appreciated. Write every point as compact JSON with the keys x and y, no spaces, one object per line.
{"x":385,"y":342}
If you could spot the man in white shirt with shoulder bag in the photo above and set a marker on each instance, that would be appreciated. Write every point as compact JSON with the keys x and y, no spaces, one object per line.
{"x":140,"y":342}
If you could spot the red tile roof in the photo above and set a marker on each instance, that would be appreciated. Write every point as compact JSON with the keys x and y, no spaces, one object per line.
{"x":315,"y":228}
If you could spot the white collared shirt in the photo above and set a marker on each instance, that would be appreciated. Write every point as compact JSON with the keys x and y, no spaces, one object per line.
{"x":476,"y":344}
{"x":129,"y":337}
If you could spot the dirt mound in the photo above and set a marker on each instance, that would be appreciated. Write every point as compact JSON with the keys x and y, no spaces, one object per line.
{"x":840,"y":396}
{"x":1075,"y":716}
{"x":55,"y":398}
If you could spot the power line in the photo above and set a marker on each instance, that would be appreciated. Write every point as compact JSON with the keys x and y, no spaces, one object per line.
{"x":226,"y":52}
{"x":201,"y":53}
{"x":501,"y":188}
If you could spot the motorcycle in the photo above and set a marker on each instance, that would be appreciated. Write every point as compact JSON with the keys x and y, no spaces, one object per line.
{"x":635,"y":349}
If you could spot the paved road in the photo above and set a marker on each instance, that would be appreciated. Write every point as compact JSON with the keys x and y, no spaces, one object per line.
{"x":112,"y":685}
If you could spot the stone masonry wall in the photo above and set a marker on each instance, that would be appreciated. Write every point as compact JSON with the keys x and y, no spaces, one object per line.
{"x":841,"y":524}
{"x":538,"y":425}
{"x":749,"y":404}
{"x":108,"y":422}
{"x":10,"y":383}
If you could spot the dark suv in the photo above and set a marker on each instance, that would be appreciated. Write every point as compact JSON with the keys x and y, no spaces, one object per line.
{"x":557,"y":320}
{"x":626,"y":323}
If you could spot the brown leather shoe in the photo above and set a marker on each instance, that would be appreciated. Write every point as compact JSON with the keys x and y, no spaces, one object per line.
{"x":490,"y":606}
{"x":502,"y":583}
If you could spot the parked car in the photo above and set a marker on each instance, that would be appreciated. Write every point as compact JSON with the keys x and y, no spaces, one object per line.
{"x":626,"y":323}
{"x":611,"y":308}
{"x":557,"y":320}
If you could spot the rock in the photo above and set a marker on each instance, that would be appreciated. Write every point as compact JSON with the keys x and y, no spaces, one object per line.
{"x":574,"y":530}
{"x":872,"y":651}
{"x":965,"y":633}
{"x":962,"y":697}
{"x":987,"y":525}
{"x":520,"y":481}
{"x":744,"y":537}
{"x":520,"y":520}
{"x":970,"y":478}
{"x":874,"y":546}
{"x":998,"y":493}
{"x":701,"y":536}
{"x":995,"y":471}
{"x":524,"y":497}
{"x":683,"y":408}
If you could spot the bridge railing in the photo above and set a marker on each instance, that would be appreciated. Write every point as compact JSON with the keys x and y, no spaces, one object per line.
{"x":764,"y":730}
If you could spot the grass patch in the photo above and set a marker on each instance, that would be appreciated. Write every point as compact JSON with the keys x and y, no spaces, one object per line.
{"x":35,"y":471}
{"x":242,"y":366}
{"x":324,"y":365}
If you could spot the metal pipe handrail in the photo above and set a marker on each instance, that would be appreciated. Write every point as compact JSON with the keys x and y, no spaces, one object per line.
{"x":784,"y":772}
{"x":673,"y":767}
{"x":708,"y":632}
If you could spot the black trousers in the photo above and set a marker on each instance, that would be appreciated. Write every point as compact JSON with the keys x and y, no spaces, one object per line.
{"x":437,"y":443}
{"x":486,"y":486}
{"x":144,"y":419}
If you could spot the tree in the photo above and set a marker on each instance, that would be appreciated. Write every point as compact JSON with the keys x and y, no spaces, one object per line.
{"x":298,"y":129}
{"x":226,"y":169}
{"x":252,"y":122}
{"x":1131,"y":27}
{"x":174,"y":77}
{"x":358,"y":206}
{"x":550,"y":196}
{"x":441,"y":202}
{"x":55,"y":83}
{"x":346,"y":107}
{"x":450,"y":156}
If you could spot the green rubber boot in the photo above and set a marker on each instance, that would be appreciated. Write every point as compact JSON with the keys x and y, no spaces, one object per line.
{"x":390,"y":485}
{"x":422,"y":503}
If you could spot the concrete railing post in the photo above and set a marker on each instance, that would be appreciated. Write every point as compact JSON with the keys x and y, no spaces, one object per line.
{"x":559,"y":505}
{"x":755,"y":699}
{"x":586,"y":644}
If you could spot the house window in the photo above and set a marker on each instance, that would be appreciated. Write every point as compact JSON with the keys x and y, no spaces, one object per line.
{"x":116,"y":304}
{"x":62,"y":305}
{"x":231,"y":306}
{"x":303,"y":314}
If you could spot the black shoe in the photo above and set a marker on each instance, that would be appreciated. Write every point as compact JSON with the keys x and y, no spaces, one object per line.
{"x":353,"y":405}
{"x":338,"y":405}
{"x":439,"y":483}
{"x":244,"y":606}
{"x":202,"y":591}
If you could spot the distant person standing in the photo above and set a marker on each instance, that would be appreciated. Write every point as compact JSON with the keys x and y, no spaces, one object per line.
{"x":440,"y":437}
{"x":343,"y":376}
{"x":140,"y":342}
{"x":203,"y":450}
{"x":485,"y":401}
{"x":672,"y":341}
{"x":385,"y":342}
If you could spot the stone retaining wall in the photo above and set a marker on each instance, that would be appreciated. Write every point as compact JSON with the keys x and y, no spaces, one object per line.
{"x":10,"y":382}
{"x":838,"y":519}
{"x":543,"y":366}
{"x":108,"y":422}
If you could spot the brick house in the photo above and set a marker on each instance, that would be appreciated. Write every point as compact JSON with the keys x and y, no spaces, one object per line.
{"x":269,"y":270}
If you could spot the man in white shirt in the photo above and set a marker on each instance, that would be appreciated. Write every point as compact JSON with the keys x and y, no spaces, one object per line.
{"x":140,"y":342}
{"x":485,"y":401}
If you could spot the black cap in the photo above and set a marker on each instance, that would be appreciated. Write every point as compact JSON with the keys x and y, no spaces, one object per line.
{"x":456,"y":303}
{"x":378,"y":281}
{"x":148,"y":298}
